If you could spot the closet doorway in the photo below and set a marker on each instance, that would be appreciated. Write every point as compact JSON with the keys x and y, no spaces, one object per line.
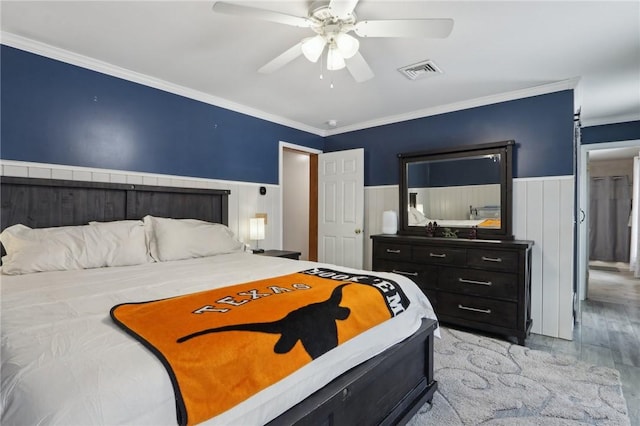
{"x":299,"y":207}
{"x":605,"y":195}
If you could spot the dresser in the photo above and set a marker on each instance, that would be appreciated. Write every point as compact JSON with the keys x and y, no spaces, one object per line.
{"x":478,"y":284}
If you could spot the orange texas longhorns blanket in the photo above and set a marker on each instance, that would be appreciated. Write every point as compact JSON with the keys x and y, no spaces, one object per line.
{"x":222,"y":346}
{"x":490,"y":223}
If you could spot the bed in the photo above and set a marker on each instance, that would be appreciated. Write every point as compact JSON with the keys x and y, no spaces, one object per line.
{"x":64,"y":361}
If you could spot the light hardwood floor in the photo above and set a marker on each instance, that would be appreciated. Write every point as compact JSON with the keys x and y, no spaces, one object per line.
{"x":613,"y":282}
{"x":607,"y":333}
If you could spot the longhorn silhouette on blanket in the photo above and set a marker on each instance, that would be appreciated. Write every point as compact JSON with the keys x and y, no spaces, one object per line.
{"x":314,"y":325}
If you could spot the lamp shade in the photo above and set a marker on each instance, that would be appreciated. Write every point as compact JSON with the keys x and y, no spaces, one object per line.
{"x":335,"y":61}
{"x":347,"y":45}
{"x":256,"y":228}
{"x":313,"y":47}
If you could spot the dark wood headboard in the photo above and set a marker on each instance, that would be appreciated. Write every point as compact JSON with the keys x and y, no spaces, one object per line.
{"x":42,"y":203}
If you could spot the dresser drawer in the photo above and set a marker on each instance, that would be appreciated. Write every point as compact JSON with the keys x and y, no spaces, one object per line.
{"x":392,"y":251}
{"x":424,"y":276}
{"x":477,"y":309}
{"x":483,"y":285}
{"x":479,"y":283}
{"x":439,"y":255}
{"x":498,"y":260}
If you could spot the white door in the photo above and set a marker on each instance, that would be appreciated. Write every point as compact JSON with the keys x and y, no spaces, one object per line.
{"x":341,"y":207}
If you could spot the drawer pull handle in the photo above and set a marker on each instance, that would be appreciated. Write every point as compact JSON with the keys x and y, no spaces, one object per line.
{"x":492,"y":259}
{"x":411,"y":274}
{"x":466,"y":281}
{"x":442,"y":256}
{"x":467,"y":308}
{"x":393,"y":251}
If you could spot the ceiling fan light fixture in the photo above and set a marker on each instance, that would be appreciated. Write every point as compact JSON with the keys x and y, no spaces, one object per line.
{"x":332,"y":21}
{"x":313,"y":47}
{"x":347,"y":45}
{"x":335,"y":60}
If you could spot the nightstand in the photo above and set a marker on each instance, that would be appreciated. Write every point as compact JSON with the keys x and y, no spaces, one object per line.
{"x":295,"y":255}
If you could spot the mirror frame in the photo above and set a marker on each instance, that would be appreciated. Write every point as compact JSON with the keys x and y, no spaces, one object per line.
{"x":504,"y":148}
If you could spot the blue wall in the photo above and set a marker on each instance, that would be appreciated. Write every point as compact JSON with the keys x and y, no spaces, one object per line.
{"x":542,"y":127}
{"x":53,"y":112}
{"x":611,"y":132}
{"x":58,"y":113}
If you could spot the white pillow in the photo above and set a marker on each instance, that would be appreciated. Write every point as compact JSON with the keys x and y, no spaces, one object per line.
{"x":124,"y":242}
{"x":175,"y":239}
{"x":417,"y":218}
{"x":48,"y":249}
{"x":72,"y":247}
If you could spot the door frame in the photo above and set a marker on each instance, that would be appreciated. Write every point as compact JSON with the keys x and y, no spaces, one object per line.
{"x":583,"y":206}
{"x":281,"y":147}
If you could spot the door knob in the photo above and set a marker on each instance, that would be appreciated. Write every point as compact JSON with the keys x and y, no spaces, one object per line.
{"x":358,"y":230}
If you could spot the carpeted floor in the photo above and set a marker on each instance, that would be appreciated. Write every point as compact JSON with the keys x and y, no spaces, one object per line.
{"x":494,"y":382}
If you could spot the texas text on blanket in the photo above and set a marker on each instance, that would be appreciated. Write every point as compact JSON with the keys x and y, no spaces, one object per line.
{"x":395,"y":298}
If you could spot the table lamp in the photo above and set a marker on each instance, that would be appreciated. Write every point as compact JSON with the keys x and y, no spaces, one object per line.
{"x":256,"y":232}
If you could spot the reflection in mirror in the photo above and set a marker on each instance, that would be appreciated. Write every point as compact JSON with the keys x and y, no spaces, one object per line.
{"x":459,"y":192}
{"x":466,"y":190}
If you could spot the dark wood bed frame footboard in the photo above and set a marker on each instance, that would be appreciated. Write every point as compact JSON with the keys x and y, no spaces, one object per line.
{"x":387,"y":389}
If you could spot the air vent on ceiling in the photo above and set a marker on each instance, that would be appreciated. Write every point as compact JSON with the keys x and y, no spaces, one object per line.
{"x":420,"y":70}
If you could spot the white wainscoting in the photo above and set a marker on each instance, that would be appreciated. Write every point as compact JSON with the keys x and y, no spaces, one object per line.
{"x":244,"y":201}
{"x":442,"y":202}
{"x":543,"y":210}
{"x":377,"y":199}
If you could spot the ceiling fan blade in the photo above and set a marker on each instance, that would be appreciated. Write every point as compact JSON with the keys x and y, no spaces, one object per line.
{"x":282,"y":60}
{"x":342,"y":9}
{"x":263,"y":14}
{"x":431,"y":28}
{"x":359,"y":68}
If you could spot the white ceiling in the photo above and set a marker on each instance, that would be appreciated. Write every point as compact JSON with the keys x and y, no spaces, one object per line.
{"x":497,"y":50}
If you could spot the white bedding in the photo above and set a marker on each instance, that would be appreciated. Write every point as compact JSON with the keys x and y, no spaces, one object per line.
{"x":416,"y":218}
{"x":65,"y":362}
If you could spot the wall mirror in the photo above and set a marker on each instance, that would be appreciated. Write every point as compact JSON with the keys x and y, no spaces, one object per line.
{"x":466,"y":190}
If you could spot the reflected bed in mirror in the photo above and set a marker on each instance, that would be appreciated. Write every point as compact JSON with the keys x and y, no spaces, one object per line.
{"x":465,"y":189}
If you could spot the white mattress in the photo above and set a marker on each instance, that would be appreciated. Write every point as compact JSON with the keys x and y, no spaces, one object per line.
{"x":65,"y":362}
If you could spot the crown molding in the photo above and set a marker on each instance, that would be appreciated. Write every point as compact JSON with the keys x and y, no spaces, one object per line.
{"x":66,"y":56}
{"x":467,"y":104}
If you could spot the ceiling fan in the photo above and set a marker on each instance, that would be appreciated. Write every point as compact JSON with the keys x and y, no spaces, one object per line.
{"x":332,"y":21}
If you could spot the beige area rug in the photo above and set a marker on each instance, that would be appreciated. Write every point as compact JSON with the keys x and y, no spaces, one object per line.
{"x":493,"y":382}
